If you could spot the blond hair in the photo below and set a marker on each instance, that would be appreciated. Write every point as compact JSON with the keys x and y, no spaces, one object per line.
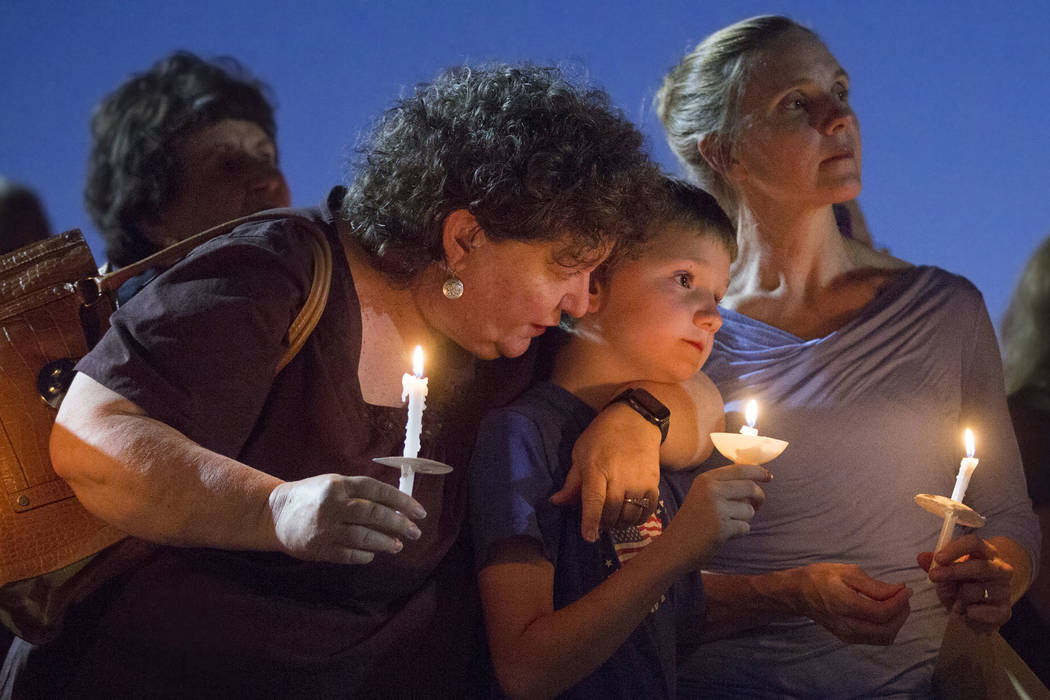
{"x":700,"y":97}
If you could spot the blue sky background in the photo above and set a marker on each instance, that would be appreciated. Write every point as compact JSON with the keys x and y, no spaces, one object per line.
{"x":953,"y":97}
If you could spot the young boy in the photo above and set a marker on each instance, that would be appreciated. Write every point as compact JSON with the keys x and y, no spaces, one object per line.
{"x":598,"y":619}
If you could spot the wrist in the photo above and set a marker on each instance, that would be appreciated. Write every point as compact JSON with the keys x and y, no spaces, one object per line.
{"x":781,"y":592}
{"x":647,"y":406}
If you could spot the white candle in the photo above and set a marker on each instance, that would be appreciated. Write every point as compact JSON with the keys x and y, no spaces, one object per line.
{"x":414,"y":388}
{"x":966,"y":467}
{"x":751,"y":415}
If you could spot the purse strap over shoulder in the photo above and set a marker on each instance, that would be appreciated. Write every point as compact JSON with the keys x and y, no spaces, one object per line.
{"x":303,"y":324}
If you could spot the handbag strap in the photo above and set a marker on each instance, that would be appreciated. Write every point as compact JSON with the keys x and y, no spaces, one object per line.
{"x":306,"y":320}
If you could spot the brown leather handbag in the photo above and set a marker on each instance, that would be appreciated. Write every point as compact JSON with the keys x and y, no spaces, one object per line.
{"x":54,"y":306}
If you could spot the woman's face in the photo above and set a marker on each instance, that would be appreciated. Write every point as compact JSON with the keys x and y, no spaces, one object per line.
{"x":225,"y":170}
{"x":800,"y":140}
{"x":513,"y":292}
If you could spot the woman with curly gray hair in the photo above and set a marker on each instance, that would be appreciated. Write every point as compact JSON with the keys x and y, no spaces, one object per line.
{"x":290,"y":563}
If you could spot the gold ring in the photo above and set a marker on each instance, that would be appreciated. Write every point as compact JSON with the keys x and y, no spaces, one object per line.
{"x":642,"y":503}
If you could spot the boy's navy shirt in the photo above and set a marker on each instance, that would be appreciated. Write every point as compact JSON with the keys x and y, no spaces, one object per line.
{"x":522,"y":456}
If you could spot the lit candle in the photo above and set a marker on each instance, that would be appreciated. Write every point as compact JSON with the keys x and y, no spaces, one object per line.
{"x":751,"y":414}
{"x":414,"y":388}
{"x":966,"y":467}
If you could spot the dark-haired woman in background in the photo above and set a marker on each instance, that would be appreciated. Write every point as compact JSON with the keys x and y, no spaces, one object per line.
{"x":870,"y":367}
{"x":177,"y":149}
{"x":294,"y":567}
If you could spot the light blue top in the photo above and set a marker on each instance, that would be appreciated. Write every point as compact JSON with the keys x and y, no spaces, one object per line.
{"x":874,"y":413}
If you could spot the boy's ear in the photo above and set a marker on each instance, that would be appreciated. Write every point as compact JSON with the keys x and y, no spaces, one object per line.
{"x":595,"y":294}
{"x":460,"y":235}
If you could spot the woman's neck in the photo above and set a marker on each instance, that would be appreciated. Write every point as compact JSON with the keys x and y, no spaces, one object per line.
{"x":391,"y":327}
{"x":794,"y":270}
{"x":785,"y":253}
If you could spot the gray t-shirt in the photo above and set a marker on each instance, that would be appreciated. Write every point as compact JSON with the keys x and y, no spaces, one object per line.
{"x":874,"y":413}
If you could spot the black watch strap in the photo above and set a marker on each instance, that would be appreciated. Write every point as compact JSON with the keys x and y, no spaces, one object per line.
{"x":648,"y":407}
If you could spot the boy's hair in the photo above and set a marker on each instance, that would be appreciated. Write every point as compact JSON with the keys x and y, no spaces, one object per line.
{"x":686,"y":204}
{"x":679,"y":203}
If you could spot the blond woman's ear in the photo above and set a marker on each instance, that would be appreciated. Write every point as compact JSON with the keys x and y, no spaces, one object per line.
{"x":719,"y":155}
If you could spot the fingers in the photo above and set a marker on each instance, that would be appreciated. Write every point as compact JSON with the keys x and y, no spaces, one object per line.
{"x":740,"y":490}
{"x":967,"y":545}
{"x":883,"y":611}
{"x":569,"y":490}
{"x":342,"y":519}
{"x":636,"y":509}
{"x":593,"y":501}
{"x":369,"y":489}
{"x":378,"y":518}
{"x":871,"y":588}
{"x":740,"y":471}
{"x":860,"y":631}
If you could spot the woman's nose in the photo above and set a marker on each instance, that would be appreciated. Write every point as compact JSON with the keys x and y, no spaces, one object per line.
{"x":577,"y":300}
{"x":837,"y":117}
{"x":267,"y":183}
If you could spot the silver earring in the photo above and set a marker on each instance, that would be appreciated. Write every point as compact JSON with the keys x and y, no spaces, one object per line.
{"x":453,"y":286}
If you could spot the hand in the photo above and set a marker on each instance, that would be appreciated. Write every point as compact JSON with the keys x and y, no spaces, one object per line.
{"x":720,"y":505}
{"x":342,"y":519}
{"x":850,"y":604}
{"x":617,"y":456}
{"x":972,"y":580}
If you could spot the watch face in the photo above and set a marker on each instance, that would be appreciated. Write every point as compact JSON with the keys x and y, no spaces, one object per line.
{"x":650,"y":404}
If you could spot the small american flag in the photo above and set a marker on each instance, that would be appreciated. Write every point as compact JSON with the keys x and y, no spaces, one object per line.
{"x":631,"y":540}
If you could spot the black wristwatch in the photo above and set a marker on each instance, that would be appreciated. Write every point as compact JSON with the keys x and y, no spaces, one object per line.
{"x":648,"y":407}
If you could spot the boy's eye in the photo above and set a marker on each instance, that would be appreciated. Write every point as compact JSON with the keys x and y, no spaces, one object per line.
{"x":684,"y":279}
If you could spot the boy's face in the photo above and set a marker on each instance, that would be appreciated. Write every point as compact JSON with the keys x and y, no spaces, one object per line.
{"x":659,"y":313}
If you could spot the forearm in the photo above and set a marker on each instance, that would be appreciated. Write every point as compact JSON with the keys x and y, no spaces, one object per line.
{"x":737,"y":602}
{"x":558,"y":649}
{"x":149,"y":480}
{"x":696,"y":411}
{"x":1014,"y":555}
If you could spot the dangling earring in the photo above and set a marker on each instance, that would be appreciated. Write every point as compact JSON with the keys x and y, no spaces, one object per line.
{"x":453,"y":286}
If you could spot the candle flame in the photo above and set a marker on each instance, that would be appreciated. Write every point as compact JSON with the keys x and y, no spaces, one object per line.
{"x":968,"y":439}
{"x":751,"y":412}
{"x":417,"y":361}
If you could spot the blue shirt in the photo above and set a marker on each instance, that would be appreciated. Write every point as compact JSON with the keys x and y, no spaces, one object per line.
{"x":522,"y":456}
